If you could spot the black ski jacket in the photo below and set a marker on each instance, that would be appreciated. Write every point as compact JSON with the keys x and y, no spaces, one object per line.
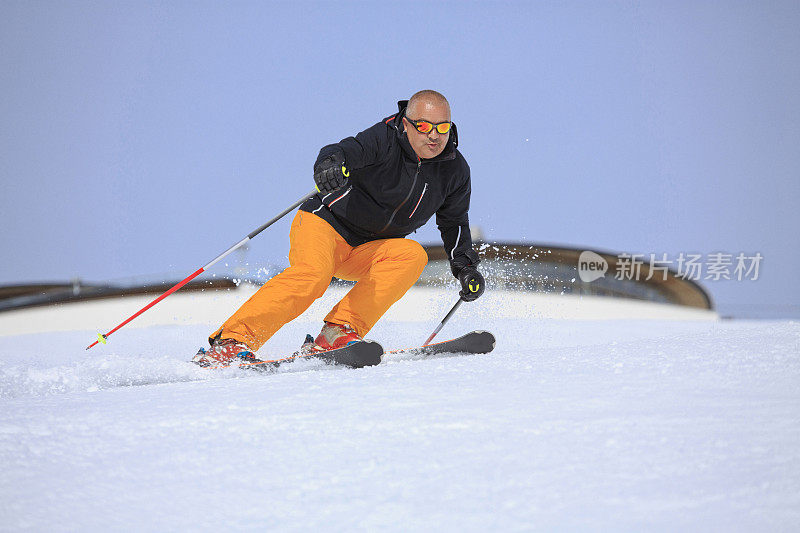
{"x":391,"y":192}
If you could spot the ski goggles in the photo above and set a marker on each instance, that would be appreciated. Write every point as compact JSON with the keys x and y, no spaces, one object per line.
{"x":424,"y":126}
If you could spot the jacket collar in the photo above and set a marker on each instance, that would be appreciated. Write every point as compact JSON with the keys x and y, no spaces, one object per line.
{"x":447,"y":154}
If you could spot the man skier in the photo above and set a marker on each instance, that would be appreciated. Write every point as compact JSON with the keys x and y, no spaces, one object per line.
{"x":374,"y":189}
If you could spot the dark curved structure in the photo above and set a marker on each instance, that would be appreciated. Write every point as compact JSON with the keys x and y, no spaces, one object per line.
{"x":38,"y":294}
{"x":515,"y":266}
{"x":554,"y":269}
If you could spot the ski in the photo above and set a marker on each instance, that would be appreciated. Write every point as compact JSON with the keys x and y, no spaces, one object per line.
{"x":472,"y":342}
{"x":355,"y":355}
{"x":369,"y":353}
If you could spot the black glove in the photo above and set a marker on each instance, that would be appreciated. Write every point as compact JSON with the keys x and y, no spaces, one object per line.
{"x":472,"y":283}
{"x":330,"y":174}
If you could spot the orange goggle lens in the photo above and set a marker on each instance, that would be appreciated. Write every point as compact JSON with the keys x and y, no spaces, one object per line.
{"x":423,"y":126}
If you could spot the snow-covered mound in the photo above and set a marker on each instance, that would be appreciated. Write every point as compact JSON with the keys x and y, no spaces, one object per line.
{"x":632,"y":425}
{"x":420,"y":303}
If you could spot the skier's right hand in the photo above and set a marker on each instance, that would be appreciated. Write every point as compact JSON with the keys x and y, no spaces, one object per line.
{"x":330,"y":174}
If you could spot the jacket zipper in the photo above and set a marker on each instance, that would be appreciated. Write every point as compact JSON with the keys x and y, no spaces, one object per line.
{"x":413,"y":183}
{"x":425,"y":188}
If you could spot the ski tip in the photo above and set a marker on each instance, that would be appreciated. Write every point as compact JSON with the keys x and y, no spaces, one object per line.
{"x":489,"y":336}
{"x":359,"y":354}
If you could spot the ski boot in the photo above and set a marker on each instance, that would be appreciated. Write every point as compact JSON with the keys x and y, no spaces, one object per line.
{"x":309,"y":347}
{"x":223,"y":352}
{"x":335,"y":336}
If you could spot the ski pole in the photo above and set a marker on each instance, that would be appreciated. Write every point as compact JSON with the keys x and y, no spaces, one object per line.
{"x":444,"y":321}
{"x":102,"y":338}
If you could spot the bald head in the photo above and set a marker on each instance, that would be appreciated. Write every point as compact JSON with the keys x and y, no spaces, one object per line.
{"x":427,"y":100}
{"x":431,"y":107}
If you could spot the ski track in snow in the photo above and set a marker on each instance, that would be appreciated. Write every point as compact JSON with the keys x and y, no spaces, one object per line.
{"x":628,"y":425}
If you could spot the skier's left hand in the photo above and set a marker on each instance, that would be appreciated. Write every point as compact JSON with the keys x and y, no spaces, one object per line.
{"x":472,"y":283}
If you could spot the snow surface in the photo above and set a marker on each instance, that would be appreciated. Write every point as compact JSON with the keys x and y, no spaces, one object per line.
{"x":590,"y":425}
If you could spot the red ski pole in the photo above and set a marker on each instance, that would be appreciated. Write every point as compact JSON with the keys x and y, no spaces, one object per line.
{"x":102,"y":338}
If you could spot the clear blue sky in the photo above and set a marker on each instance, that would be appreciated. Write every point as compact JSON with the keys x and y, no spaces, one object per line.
{"x":141,"y":138}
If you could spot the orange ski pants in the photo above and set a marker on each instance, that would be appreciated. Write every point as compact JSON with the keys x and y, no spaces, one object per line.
{"x":384,"y":270}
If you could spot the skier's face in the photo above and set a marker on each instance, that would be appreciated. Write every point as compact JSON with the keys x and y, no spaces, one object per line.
{"x":431,"y":144}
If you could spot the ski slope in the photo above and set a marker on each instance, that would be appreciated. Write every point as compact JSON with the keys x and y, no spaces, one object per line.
{"x":650,"y":425}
